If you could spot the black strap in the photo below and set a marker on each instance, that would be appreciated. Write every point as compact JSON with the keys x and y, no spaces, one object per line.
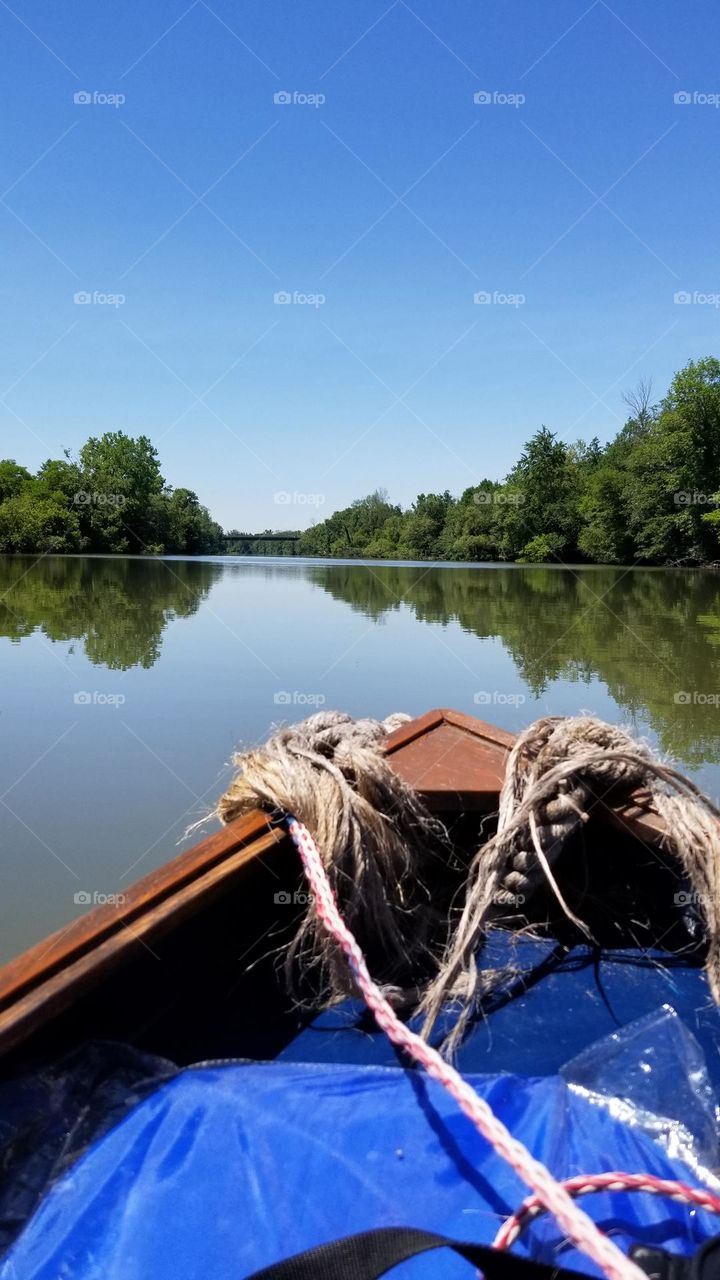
{"x":370,"y":1254}
{"x":703,"y":1265}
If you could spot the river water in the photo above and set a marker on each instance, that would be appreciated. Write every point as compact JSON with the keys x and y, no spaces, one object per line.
{"x":126,"y":685}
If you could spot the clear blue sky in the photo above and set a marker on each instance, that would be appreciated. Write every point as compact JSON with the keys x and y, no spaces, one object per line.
{"x":397,"y":199}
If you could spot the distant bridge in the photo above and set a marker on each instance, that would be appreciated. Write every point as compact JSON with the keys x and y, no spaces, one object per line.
{"x":262,"y":537}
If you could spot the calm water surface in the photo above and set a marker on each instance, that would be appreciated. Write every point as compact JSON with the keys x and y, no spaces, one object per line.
{"x":127,"y":684}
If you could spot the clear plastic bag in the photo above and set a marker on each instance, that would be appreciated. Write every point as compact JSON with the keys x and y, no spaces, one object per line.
{"x":652,"y":1074}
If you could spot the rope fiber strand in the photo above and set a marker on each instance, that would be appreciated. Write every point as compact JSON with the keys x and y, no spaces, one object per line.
{"x":550,"y":1194}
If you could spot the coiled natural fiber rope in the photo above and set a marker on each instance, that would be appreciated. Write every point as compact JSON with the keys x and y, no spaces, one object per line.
{"x":380,"y":844}
{"x":377,"y":837}
{"x":558,"y":770}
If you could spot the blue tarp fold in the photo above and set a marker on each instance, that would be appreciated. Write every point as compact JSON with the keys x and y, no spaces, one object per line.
{"x":225,"y":1169}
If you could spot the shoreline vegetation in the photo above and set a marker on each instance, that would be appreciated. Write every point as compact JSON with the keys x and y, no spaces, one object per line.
{"x":650,"y":496}
{"x":111,"y":499}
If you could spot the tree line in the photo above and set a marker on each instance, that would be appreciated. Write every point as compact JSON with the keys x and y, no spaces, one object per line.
{"x":651,"y":496}
{"x":112,"y":498}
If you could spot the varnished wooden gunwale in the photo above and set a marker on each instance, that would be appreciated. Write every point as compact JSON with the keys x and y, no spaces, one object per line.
{"x":49,"y":976}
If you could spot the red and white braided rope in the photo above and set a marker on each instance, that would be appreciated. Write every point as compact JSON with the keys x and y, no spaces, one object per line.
{"x":584,"y":1183}
{"x":550,"y":1193}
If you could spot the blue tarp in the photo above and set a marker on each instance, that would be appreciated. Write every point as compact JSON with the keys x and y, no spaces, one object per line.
{"x":225,"y":1169}
{"x":569,"y":1001}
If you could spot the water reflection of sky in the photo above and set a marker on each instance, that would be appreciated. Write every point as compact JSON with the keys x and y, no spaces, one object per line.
{"x":180,"y":662}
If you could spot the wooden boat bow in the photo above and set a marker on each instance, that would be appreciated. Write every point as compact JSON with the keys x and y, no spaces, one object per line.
{"x":454,"y":761}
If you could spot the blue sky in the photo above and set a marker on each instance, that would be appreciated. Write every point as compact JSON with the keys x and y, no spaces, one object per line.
{"x":389,"y":205}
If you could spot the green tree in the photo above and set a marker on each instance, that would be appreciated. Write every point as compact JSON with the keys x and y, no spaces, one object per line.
{"x":471,"y":529}
{"x":13,"y":479}
{"x":32,"y":523}
{"x":59,"y":478}
{"x":543,"y":494}
{"x":423,"y":528}
{"x":188,"y":530}
{"x":604,"y":536}
{"x":544,"y":547}
{"x":121,"y":478}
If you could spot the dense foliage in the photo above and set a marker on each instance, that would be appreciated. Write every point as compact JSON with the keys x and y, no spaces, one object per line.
{"x":112,"y":498}
{"x":650,"y":495}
